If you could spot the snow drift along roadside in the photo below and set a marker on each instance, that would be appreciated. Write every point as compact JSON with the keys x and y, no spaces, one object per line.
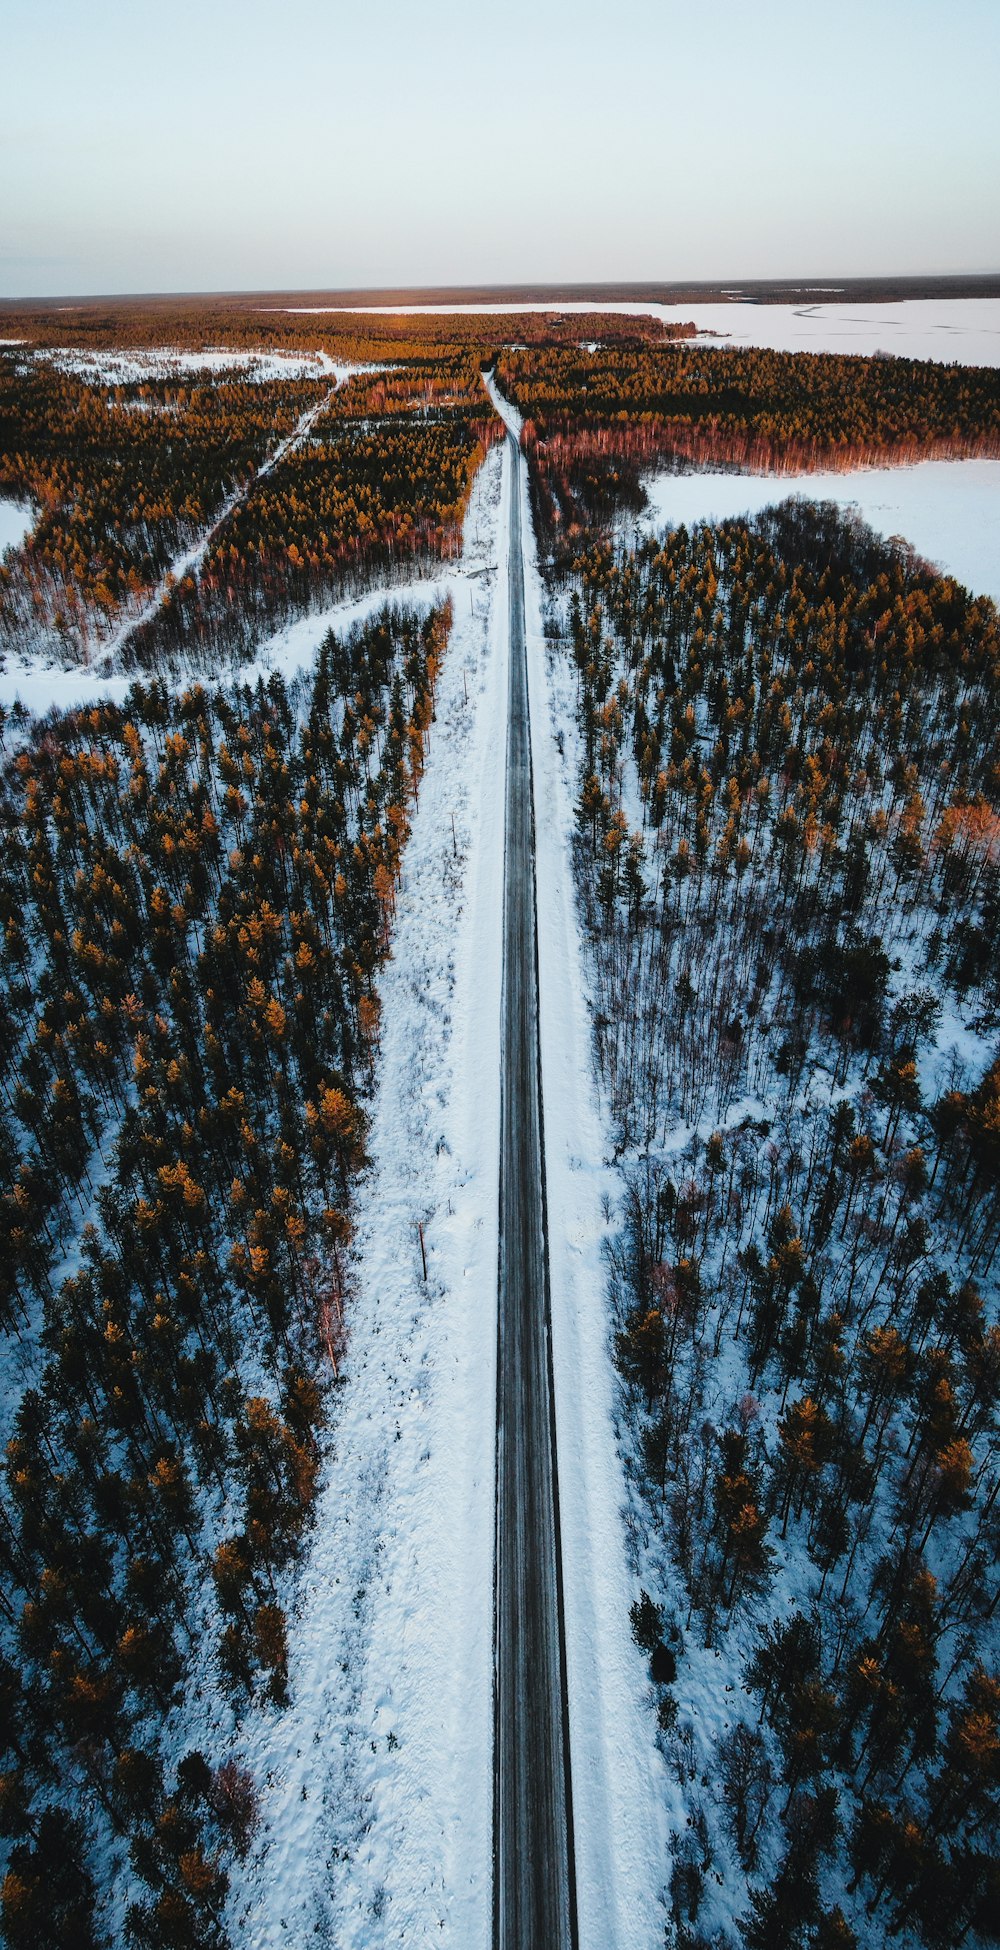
{"x":620,"y":1789}
{"x":376,"y":1785}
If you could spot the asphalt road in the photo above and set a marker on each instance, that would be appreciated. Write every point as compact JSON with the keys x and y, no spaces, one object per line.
{"x":534,"y":1901}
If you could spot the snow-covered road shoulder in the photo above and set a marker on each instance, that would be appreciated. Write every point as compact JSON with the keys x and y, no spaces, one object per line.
{"x":620,"y":1790}
{"x":376,"y":1785}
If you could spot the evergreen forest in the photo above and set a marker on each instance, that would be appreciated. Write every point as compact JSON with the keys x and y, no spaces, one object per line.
{"x":788,"y":855}
{"x":197,"y":897}
{"x":783,"y":734}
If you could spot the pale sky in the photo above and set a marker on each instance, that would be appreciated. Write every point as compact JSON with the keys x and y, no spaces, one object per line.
{"x":233,"y":144}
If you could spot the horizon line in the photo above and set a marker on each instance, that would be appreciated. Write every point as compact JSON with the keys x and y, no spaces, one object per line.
{"x":868,"y":288}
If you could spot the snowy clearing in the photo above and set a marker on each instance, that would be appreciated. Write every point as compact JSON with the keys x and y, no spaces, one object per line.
{"x":16,"y":521}
{"x":376,"y":1785}
{"x":948,"y":510}
{"x":963,"y":330}
{"x":123,"y":368}
{"x":293,"y":648}
{"x":41,"y":687}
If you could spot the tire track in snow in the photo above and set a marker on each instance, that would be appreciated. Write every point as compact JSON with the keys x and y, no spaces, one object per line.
{"x":193,"y":557}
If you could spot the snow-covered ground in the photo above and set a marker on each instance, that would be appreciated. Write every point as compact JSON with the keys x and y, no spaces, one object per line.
{"x":39,"y":684}
{"x":966,"y":330}
{"x":376,"y":1782}
{"x":16,"y":521}
{"x":42,"y":687}
{"x":121,"y":368}
{"x":948,"y":510}
{"x":293,"y":648}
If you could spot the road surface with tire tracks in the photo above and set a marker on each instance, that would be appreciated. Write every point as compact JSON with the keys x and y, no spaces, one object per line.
{"x":534,"y":1900}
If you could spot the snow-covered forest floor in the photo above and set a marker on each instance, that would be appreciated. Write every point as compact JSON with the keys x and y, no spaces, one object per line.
{"x":779,"y":1477}
{"x":376,"y":1802}
{"x":769,"y":1013}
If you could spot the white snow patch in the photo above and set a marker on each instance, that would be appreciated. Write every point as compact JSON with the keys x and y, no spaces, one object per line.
{"x":948,"y":510}
{"x":41,"y":687}
{"x":121,"y":368}
{"x":293,"y":648}
{"x":17,"y":519}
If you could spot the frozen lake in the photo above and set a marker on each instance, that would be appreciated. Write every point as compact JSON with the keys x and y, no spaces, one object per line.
{"x":949,"y":510}
{"x":943,"y":329}
{"x":16,"y":519}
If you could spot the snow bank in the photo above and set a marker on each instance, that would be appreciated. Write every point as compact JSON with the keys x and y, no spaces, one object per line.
{"x":622,"y":1798}
{"x":948,"y":510}
{"x":376,"y":1782}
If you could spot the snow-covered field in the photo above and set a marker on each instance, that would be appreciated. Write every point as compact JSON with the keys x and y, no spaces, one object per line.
{"x":948,"y":510}
{"x":114,"y":368}
{"x":16,"y":521}
{"x":966,"y":330}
